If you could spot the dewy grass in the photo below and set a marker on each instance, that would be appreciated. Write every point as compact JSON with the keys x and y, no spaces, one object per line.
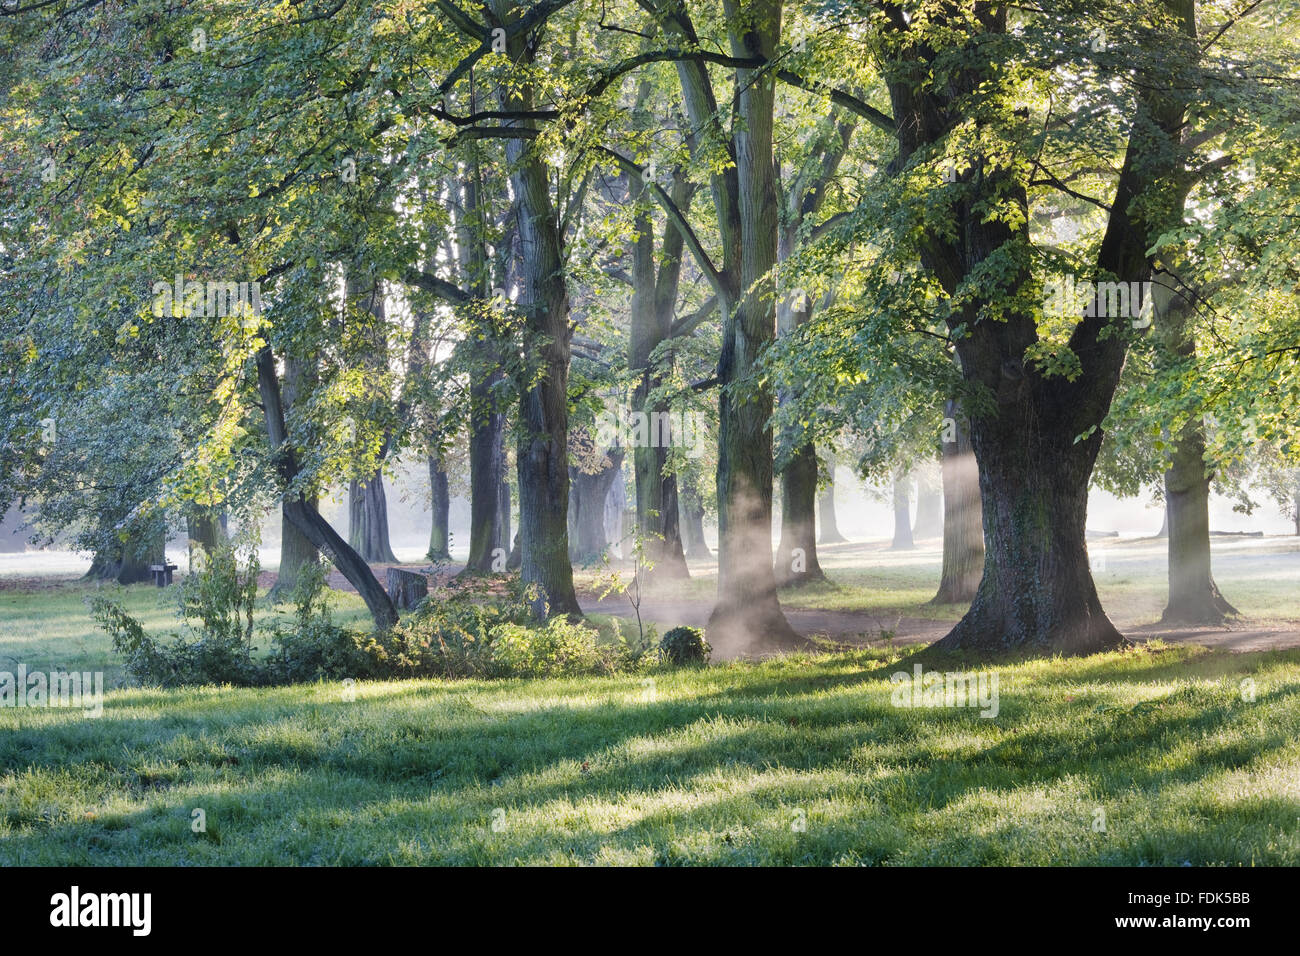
{"x":1152,"y":756}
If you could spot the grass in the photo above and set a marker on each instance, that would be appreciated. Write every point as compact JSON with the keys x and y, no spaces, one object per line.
{"x":47,"y":626}
{"x":708,"y":766}
{"x":721,"y":765}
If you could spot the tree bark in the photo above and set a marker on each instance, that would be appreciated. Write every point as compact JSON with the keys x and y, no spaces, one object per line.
{"x":1037,"y":440}
{"x":748,"y":615}
{"x":204,"y":528}
{"x":406,"y":589}
{"x":296,"y":552}
{"x":486,"y":476}
{"x":129,"y":562}
{"x":1194,"y":598}
{"x":963,"y":518}
{"x":587,"y":505}
{"x":654,"y":298}
{"x":796,"y":554}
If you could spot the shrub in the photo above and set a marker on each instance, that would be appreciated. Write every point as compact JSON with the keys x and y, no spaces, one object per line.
{"x":554,"y":648}
{"x":314,"y":648}
{"x":465,"y":632}
{"x":684,"y":646}
{"x":215,"y":650}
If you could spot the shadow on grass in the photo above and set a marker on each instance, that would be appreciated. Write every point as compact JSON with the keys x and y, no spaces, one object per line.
{"x":261,"y":764}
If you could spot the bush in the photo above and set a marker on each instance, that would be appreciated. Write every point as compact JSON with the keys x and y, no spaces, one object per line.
{"x":684,"y":646}
{"x":216,"y":650}
{"x":315,"y":648}
{"x":555,"y":648}
{"x":464,"y":633}
{"x":464,"y":636}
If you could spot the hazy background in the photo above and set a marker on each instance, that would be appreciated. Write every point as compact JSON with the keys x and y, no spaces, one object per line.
{"x":863,"y":515}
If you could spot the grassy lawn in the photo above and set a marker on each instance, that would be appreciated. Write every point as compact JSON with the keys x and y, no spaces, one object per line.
{"x":707,"y":766}
{"x":48,"y":626}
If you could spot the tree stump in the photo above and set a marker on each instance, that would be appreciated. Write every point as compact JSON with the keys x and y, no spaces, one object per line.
{"x":406,"y":588}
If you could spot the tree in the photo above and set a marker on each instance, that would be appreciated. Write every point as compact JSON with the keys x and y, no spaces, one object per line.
{"x":1037,"y":435}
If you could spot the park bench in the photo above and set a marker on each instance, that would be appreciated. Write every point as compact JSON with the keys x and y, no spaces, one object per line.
{"x":162,"y":574}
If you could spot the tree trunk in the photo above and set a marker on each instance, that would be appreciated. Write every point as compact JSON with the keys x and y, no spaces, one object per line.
{"x":929,"y":506}
{"x":486,"y":476}
{"x":129,"y":562}
{"x":515,"y":560}
{"x":654,"y":298}
{"x":615,"y":512}
{"x":440,"y":509}
{"x":368,"y":514}
{"x":902,"y":515}
{"x":1194,"y":598}
{"x":304,"y":516}
{"x":796,"y":555}
{"x":503,"y":521}
{"x":203,"y":529}
{"x":587,"y":506}
{"x":543,"y":435}
{"x":963,"y":519}
{"x":1037,"y":588}
{"x":748,"y":616}
{"x":1164,"y":522}
{"x":296,"y":551}
{"x":1036,"y":441}
{"x":830,"y":529}
{"x":692,"y":511}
